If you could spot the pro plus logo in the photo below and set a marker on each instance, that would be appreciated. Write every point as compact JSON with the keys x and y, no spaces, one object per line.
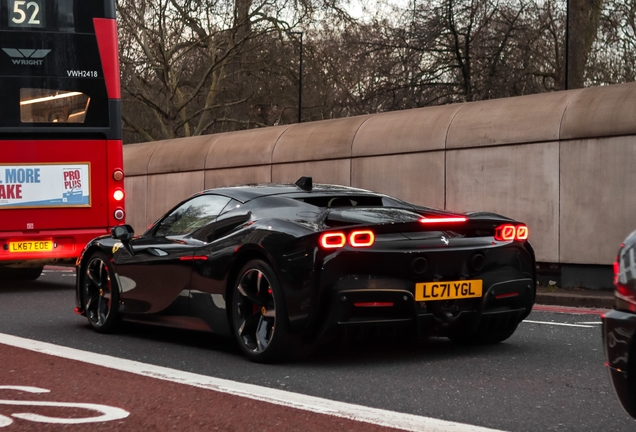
{"x":27,"y":57}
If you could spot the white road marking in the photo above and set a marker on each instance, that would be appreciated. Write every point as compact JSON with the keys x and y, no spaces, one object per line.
{"x":407,"y":422}
{"x":590,"y":322}
{"x":558,"y":324}
{"x":108,"y":413}
{"x":26,"y":389}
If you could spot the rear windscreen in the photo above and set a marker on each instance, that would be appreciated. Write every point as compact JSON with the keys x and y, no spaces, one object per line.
{"x":334,"y":201}
{"x":52,"y":106}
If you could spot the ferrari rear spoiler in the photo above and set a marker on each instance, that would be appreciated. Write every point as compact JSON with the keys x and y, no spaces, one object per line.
{"x":391,"y":220}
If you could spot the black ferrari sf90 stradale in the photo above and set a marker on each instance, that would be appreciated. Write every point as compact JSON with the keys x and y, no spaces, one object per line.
{"x":281,"y":266}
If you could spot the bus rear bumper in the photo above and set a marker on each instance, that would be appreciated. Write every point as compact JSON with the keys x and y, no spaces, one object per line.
{"x":36,"y":249}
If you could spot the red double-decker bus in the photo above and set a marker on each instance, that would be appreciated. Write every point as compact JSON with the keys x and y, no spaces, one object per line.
{"x":61,"y":164}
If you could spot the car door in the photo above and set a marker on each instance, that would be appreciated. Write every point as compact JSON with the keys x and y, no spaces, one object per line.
{"x":208,"y":283}
{"x":157,"y":275}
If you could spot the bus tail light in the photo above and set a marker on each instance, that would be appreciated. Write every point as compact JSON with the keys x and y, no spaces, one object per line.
{"x":118,"y":175}
{"x":509,"y":232}
{"x":118,"y":195}
{"x":119,"y":214}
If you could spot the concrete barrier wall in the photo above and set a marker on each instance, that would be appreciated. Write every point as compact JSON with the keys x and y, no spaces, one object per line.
{"x":562,"y":162}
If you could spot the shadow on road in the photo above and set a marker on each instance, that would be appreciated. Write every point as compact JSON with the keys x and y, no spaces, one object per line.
{"x":172,"y":336}
{"x":404,"y":351}
{"x":48,"y":281}
{"x":33,"y":286}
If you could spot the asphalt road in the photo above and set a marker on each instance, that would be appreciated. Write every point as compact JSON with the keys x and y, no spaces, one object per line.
{"x":546,"y":377}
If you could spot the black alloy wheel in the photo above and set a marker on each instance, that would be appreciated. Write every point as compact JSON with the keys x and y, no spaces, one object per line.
{"x":257,"y":313}
{"x":100,"y":293}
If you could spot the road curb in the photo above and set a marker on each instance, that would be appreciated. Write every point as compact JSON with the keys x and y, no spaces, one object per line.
{"x":582,"y":299}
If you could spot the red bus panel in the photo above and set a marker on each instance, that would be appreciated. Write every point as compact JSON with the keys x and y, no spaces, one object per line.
{"x":61,"y":162}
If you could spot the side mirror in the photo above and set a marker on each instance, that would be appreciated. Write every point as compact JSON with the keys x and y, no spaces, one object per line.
{"x":124,"y":233}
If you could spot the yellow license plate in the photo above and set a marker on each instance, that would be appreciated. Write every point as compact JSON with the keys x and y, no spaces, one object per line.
{"x":429,"y":291}
{"x":31,"y":246}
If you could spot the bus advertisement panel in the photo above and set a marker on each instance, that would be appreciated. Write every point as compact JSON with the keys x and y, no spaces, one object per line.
{"x":61,"y":163}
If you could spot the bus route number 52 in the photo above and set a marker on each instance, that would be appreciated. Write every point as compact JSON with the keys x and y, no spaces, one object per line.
{"x":23,"y":13}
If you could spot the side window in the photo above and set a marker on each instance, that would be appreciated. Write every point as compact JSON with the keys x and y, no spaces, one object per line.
{"x":191,"y":215}
{"x":222,"y":225}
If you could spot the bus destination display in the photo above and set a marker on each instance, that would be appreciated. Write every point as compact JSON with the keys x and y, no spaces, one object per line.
{"x":26,"y":13}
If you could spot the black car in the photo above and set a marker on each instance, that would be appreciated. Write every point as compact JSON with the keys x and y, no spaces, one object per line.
{"x":283,"y":267}
{"x":619,"y":326}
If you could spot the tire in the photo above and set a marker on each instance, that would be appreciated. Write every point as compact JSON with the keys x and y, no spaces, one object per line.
{"x":485,"y":338}
{"x":100,"y":293}
{"x":20,"y":274}
{"x":258,"y":314}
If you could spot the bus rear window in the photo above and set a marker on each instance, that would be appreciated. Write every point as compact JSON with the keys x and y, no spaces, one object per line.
{"x":52,"y":106}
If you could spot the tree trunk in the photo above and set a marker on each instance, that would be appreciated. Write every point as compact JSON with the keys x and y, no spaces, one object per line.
{"x":242,"y":21}
{"x":584,"y":22}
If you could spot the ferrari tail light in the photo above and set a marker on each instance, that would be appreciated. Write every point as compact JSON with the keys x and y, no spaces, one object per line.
{"x":361,"y":238}
{"x":505,"y":232}
{"x":506,"y":295}
{"x":443,"y":220}
{"x":373,"y":304}
{"x":522,"y":232}
{"x":356,"y":239}
{"x":509,"y":232}
{"x":333,"y":240}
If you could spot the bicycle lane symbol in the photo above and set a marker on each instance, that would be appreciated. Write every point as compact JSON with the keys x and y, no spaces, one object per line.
{"x":107,"y":413}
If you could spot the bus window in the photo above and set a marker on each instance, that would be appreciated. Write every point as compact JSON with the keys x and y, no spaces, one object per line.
{"x":52,"y":106}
